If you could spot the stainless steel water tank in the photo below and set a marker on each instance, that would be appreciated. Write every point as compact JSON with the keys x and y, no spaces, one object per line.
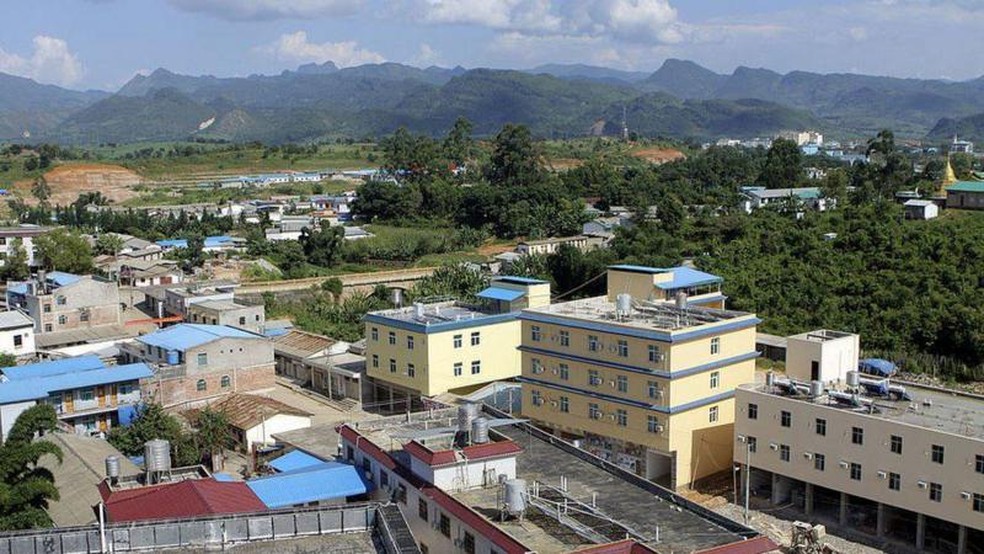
{"x":480,"y":430}
{"x":157,"y":455}
{"x":515,"y":496}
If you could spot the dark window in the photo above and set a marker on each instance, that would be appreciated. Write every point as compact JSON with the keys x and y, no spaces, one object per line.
{"x":752,"y":444}
{"x":855,"y":471}
{"x":753,"y":411}
{"x":18,"y":341}
{"x":242,"y":320}
{"x":349,"y":453}
{"x":980,"y":463}
{"x":225,"y":382}
{"x":936,"y":492}
{"x":819,"y":462}
{"x":445,"y":526}
{"x":384,"y":478}
{"x":978,"y":502}
{"x":476,"y":338}
{"x":422,"y":509}
{"x":857,"y":435}
{"x":785,"y":419}
{"x":896,"y":444}
{"x":894,"y":481}
{"x":821,"y":427}
{"x":468,"y":543}
{"x":815,"y":370}
{"x":457,"y":341}
{"x":937,"y":454}
{"x":200,"y":386}
{"x":784,"y":452}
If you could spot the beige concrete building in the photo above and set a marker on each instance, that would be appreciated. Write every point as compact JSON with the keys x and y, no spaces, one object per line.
{"x":904,"y":465}
{"x":543,"y":247}
{"x":227,"y":312}
{"x":822,"y":355}
{"x":643,"y":384}
{"x":58,"y":302}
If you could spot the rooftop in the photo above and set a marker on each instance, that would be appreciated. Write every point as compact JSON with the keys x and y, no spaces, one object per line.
{"x":803,"y":192}
{"x":188,"y":498}
{"x":310,"y":483}
{"x":25,"y":386}
{"x":966,"y":186}
{"x":822,"y":335}
{"x":13,"y":319}
{"x":219,"y":305}
{"x":683,"y":277}
{"x":301,"y":344}
{"x":942,"y":410}
{"x":189,"y":335}
{"x":435,"y":317}
{"x":246,"y":411}
{"x":659,"y":321}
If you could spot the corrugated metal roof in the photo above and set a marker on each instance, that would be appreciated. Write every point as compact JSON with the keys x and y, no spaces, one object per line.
{"x":35,"y":388}
{"x":683,"y":277}
{"x":966,"y":186}
{"x":56,"y":367}
{"x":14,"y":319}
{"x":189,"y":335}
{"x":245,"y":411}
{"x":293,"y":460}
{"x":183,"y":499}
{"x":325,"y":481}
{"x":62,"y":279}
{"x":497,"y":293}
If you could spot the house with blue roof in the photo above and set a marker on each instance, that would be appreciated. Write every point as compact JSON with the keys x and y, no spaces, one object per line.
{"x":218,"y":243}
{"x":66,"y":307}
{"x":666,"y":285}
{"x":302,"y":479}
{"x":194,"y":362}
{"x":86,"y":393}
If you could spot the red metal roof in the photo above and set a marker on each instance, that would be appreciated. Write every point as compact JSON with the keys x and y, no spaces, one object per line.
{"x":758,"y":545}
{"x":194,"y":497}
{"x":473,"y":452}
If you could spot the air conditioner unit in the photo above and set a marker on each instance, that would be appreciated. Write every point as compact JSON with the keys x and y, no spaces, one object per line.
{"x":612,"y":417}
{"x":553,"y":403}
{"x":844,"y":464}
{"x":659,"y":428}
{"x":882,"y":475}
{"x":613,"y":384}
{"x":808,"y":455}
{"x":773,"y":446}
{"x":966,"y":495}
{"x":922,"y":484}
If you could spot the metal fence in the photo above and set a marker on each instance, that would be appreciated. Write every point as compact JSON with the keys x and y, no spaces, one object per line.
{"x":218,"y":532}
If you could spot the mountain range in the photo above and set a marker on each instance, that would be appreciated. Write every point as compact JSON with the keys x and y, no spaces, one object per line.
{"x":680,"y":100}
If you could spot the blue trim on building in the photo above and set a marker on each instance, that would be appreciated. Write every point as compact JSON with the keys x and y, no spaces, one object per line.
{"x":635,"y":403}
{"x":649,"y":334}
{"x":416,"y":327}
{"x":636,"y":369}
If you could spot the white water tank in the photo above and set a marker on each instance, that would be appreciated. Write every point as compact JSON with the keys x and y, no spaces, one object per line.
{"x":112,"y":467}
{"x":816,"y":389}
{"x":480,"y":430}
{"x":466,"y":415}
{"x":515,"y":497}
{"x":681,"y":300}
{"x":623,"y":304}
{"x":157,"y":455}
{"x":770,"y":379}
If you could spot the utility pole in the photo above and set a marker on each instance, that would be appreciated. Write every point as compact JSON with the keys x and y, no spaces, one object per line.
{"x":748,"y":470}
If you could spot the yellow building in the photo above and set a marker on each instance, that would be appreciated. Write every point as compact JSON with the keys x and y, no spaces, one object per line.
{"x":666,"y":285}
{"x":425,"y":350}
{"x":645,"y":384}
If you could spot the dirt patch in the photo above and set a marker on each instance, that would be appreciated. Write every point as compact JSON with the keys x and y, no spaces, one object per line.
{"x":68,"y":181}
{"x":659,"y":156}
{"x":563,"y":164}
{"x":491,"y":250}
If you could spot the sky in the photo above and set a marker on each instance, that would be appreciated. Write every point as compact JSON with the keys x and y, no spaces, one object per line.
{"x":101,"y":44}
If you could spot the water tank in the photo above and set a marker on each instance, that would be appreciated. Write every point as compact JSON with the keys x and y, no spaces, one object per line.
{"x":418,"y":310}
{"x":157,"y":455}
{"x":112,"y":467}
{"x":515,"y":496}
{"x":681,"y":300}
{"x":816,"y":389}
{"x":853,"y":378}
{"x":466,"y":415}
{"x":623,"y":304}
{"x":480,"y":430}
{"x":770,"y":379}
{"x":173,"y":357}
{"x":396,"y":296}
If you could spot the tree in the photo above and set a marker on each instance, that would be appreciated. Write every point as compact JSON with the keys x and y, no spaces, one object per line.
{"x":412,"y":157}
{"x":783,"y":165}
{"x":7,"y":360}
{"x":213,"y":433}
{"x":333,"y":285}
{"x":194,"y":252}
{"x":458,"y":146}
{"x":41,"y":190}
{"x":15,"y":266}
{"x":109,"y":244}
{"x":515,"y":160}
{"x":26,"y":487}
{"x":152,"y":422}
{"x":322,"y":246}
{"x":883,"y":143}
{"x":64,"y":250}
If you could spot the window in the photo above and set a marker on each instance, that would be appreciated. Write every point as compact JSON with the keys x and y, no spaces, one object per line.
{"x":821,"y":427}
{"x":752,"y":444}
{"x":593,"y":378}
{"x":392,"y":365}
{"x":47,"y":308}
{"x":593,"y":343}
{"x":457,"y":369}
{"x":980,"y":463}
{"x":715,"y":379}
{"x":936,"y":492}
{"x":535,"y":333}
{"x":978,"y":502}
{"x":857,"y":435}
{"x":564,"y":371}
{"x":819,"y":462}
{"x":409,"y":342}
{"x":201,"y":385}
{"x":125,"y":389}
{"x":47,"y":327}
{"x":18,"y":341}
{"x":225,"y":382}
{"x":242,"y":321}
{"x":374,"y":333}
{"x":785,"y":419}
{"x":894,"y":481}
{"x":392,"y":338}
{"x":621,"y":417}
{"x":537,"y":365}
{"x":457,"y":341}
{"x":784,"y":452}
{"x":564,"y":404}
{"x":84,"y":315}
{"x":384,"y":478}
{"x":445,"y":525}
{"x":422,"y":509}
{"x":623,"y":349}
{"x":753,"y":411}
{"x":62,"y":320}
{"x":654,"y":356}
{"x":202,"y":358}
{"x":476,"y":338}
{"x":375,"y":360}
{"x":60,"y":300}
{"x":411,"y":371}
{"x":593,"y":411}
{"x":565,"y":338}
{"x":468,"y":543}
{"x":712,"y":414}
{"x":937,"y":454}
{"x":476,"y":367}
{"x":715,"y":346}
{"x":855,"y":471}
{"x":537,"y":398}
{"x":623,"y":383}
{"x":653,"y":388}
{"x":652,"y":424}
{"x":896,"y":444}
{"x":86,"y":395}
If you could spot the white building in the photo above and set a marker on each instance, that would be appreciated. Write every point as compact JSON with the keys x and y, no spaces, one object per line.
{"x":822,"y":355}
{"x":921,"y":209}
{"x":255,"y":419}
{"x":24,"y":236}
{"x":16,"y":334}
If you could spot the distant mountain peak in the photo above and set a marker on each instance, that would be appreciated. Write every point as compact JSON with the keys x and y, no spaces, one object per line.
{"x":318,"y":69}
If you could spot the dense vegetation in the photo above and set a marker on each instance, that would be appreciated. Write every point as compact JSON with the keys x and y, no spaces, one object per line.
{"x":26,"y":487}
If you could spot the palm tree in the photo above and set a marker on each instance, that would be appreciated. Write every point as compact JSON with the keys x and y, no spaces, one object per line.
{"x":25,"y":487}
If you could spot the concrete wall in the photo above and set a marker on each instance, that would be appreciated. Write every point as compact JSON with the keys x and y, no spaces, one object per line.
{"x":281,"y":423}
{"x":250,"y":318}
{"x":835,"y":356}
{"x":26,"y":335}
{"x":101,"y":300}
{"x":476,"y":474}
{"x":182,"y":390}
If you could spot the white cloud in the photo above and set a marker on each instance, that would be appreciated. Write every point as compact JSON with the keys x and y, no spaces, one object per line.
{"x":295,"y":47}
{"x":427,"y":56}
{"x":50,"y":62}
{"x":253,"y":10}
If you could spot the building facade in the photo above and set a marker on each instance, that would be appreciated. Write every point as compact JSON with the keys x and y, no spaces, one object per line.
{"x":647,"y":385}
{"x":226,"y":312}
{"x":12,"y":238}
{"x":17,"y":334}
{"x":59,"y":301}
{"x":967,"y":195}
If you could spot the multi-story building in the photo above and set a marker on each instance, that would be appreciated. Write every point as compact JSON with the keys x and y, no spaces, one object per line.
{"x":193,"y":363}
{"x":22,"y":237}
{"x":906,"y":466}
{"x":549,"y":246}
{"x":58,"y":301}
{"x":86,"y":394}
{"x":17,"y":334}
{"x":425,"y":350}
{"x":227,"y":312}
{"x":645,"y":384}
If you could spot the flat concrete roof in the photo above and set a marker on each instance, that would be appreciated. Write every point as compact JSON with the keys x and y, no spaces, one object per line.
{"x":643,"y":315}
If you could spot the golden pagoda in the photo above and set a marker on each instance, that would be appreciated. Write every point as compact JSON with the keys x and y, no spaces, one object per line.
{"x":949,"y":178}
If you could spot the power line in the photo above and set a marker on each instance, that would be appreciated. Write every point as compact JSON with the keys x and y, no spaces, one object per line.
{"x":581,"y":286}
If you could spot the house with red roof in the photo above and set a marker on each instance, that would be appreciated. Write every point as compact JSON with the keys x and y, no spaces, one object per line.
{"x":181,"y":499}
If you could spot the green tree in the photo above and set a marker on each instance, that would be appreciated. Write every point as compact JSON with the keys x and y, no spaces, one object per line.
{"x":64,"y":250}
{"x":411,"y":157}
{"x":783,"y":165}
{"x":109,"y":244}
{"x":152,"y":422}
{"x":333,"y":285}
{"x":41,"y":190}
{"x":26,"y":487}
{"x":15,"y":266}
{"x":323,"y":246}
{"x":7,"y":360}
{"x":193,"y":255}
{"x":213,"y":433}
{"x":515,"y":159}
{"x":458,"y":146}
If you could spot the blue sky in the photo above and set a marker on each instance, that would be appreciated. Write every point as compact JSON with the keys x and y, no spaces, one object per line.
{"x":103,"y":43}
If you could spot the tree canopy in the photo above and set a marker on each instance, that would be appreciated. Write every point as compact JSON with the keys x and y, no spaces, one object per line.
{"x":25,"y":486}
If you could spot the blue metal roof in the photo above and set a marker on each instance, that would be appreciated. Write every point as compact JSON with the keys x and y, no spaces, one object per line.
{"x":293,"y":460}
{"x":223,"y":477}
{"x":683,"y":277}
{"x":325,"y":481}
{"x":497,"y":293}
{"x":19,"y":288}
{"x":57,"y":367}
{"x":183,"y":336}
{"x":41,"y":387}
{"x":210,"y":242}
{"x":62,"y":279}
{"x":521,"y":280}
